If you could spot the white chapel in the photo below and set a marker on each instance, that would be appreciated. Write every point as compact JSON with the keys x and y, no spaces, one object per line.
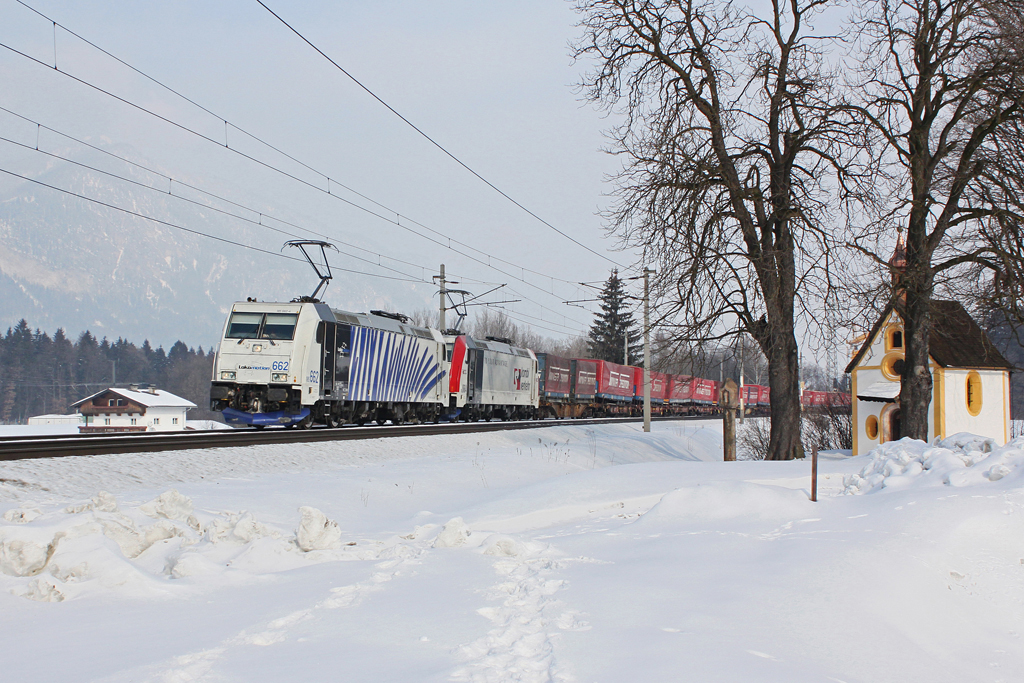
{"x":970,"y":379}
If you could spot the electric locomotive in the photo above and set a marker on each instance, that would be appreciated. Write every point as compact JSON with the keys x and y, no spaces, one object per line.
{"x":492,"y":378}
{"x":304,"y":362}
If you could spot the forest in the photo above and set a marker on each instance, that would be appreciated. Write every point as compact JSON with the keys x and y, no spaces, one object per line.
{"x":42,"y":374}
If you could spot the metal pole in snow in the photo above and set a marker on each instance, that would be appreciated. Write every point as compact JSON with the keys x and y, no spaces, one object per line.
{"x":443,"y":293}
{"x":814,"y":474}
{"x":647,"y":350}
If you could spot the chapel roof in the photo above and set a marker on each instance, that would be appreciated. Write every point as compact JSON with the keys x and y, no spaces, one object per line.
{"x":955,"y":339}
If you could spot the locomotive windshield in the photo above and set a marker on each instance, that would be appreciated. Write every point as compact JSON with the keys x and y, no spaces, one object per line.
{"x":244,"y":325}
{"x":262,"y":326}
{"x":279,"y":326}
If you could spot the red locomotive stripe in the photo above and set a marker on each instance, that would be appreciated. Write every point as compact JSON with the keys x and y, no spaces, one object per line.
{"x":458,"y":356}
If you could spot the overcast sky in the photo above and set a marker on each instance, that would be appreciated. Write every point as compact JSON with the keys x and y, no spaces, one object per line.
{"x":492,"y":82}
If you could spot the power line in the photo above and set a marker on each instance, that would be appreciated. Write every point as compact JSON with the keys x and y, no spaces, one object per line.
{"x":171,"y":181}
{"x":212,"y":208}
{"x":195,"y":203}
{"x":566,"y":329}
{"x":219,"y":210}
{"x":225,"y":145}
{"x":195,"y":232}
{"x":431,"y":140}
{"x":222,"y":211}
{"x":239,"y":217}
{"x":513,"y":316}
{"x":396,"y":221}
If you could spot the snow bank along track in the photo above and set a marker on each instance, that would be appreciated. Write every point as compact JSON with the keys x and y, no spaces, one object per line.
{"x":26,"y":447}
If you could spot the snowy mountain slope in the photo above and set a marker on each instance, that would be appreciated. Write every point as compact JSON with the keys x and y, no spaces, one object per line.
{"x":68,"y":262}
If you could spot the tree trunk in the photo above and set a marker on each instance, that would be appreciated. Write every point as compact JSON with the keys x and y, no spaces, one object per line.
{"x":784,"y":379}
{"x":916,"y":386}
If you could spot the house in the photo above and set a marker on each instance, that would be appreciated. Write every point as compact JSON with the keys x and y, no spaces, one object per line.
{"x":133,"y":410}
{"x":970,"y":379}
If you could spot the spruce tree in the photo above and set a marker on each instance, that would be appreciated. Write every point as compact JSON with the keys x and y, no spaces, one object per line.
{"x":607,"y":338}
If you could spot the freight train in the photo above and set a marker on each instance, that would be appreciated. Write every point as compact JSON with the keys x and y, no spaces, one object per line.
{"x":303,"y":363}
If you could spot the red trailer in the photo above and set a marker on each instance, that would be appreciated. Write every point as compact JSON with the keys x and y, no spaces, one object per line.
{"x":680,"y":389}
{"x":839,"y":399}
{"x":555,"y":374}
{"x":812,"y":399}
{"x":614,"y":381}
{"x":659,"y":386}
{"x":755,"y":395}
{"x":584,"y":380}
{"x":705,"y":391}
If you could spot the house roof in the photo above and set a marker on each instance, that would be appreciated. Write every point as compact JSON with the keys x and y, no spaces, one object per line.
{"x":158,"y":399}
{"x":955,"y":340}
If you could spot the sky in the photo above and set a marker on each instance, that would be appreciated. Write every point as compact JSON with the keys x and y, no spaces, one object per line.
{"x":493,"y":83}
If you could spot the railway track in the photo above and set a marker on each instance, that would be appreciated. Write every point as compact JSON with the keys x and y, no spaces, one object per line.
{"x":28,"y":447}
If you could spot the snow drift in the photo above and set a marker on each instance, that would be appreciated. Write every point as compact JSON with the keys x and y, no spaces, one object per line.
{"x":962,"y":459}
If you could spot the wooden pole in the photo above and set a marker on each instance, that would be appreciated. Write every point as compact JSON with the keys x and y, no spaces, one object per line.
{"x":729,"y":434}
{"x":814,"y":474}
{"x":728,"y":400}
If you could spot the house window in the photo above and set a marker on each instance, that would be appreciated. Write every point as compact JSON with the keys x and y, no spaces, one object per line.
{"x":871,"y":427}
{"x":892,"y":366}
{"x":110,"y":402}
{"x":156,"y":420}
{"x":133,"y":420}
{"x":120,"y":402}
{"x":174,"y":420}
{"x":973,"y":393}
{"x":106,"y":420}
{"x":894,"y":339}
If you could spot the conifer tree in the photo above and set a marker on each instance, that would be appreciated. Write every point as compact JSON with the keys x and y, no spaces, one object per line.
{"x":607,"y":338}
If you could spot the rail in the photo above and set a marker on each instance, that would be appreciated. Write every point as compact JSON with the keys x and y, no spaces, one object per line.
{"x":65,"y":445}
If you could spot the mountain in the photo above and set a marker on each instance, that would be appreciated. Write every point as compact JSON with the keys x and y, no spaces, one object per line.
{"x":66,"y":262}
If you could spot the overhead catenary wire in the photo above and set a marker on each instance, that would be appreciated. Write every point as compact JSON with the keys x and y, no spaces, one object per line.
{"x":199,"y":204}
{"x":447,"y":243}
{"x":216,"y":209}
{"x":566,"y":329}
{"x":198,"y":232}
{"x":222,"y":211}
{"x":171,"y":180}
{"x":260,"y":140}
{"x":515,"y":316}
{"x":432,"y":140}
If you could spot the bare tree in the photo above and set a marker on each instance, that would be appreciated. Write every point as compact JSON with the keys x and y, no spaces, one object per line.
{"x":942,"y":87}
{"x":734,"y":136}
{"x":425,"y":317}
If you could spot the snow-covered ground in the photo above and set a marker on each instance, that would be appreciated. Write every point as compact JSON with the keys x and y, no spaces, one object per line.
{"x":55,"y":430}
{"x":569,"y":553}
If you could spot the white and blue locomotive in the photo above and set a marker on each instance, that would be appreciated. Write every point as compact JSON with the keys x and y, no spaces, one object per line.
{"x":302,"y":363}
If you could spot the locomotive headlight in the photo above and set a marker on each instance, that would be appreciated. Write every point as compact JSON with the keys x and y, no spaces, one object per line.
{"x":279,"y":377}
{"x":227,"y":374}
